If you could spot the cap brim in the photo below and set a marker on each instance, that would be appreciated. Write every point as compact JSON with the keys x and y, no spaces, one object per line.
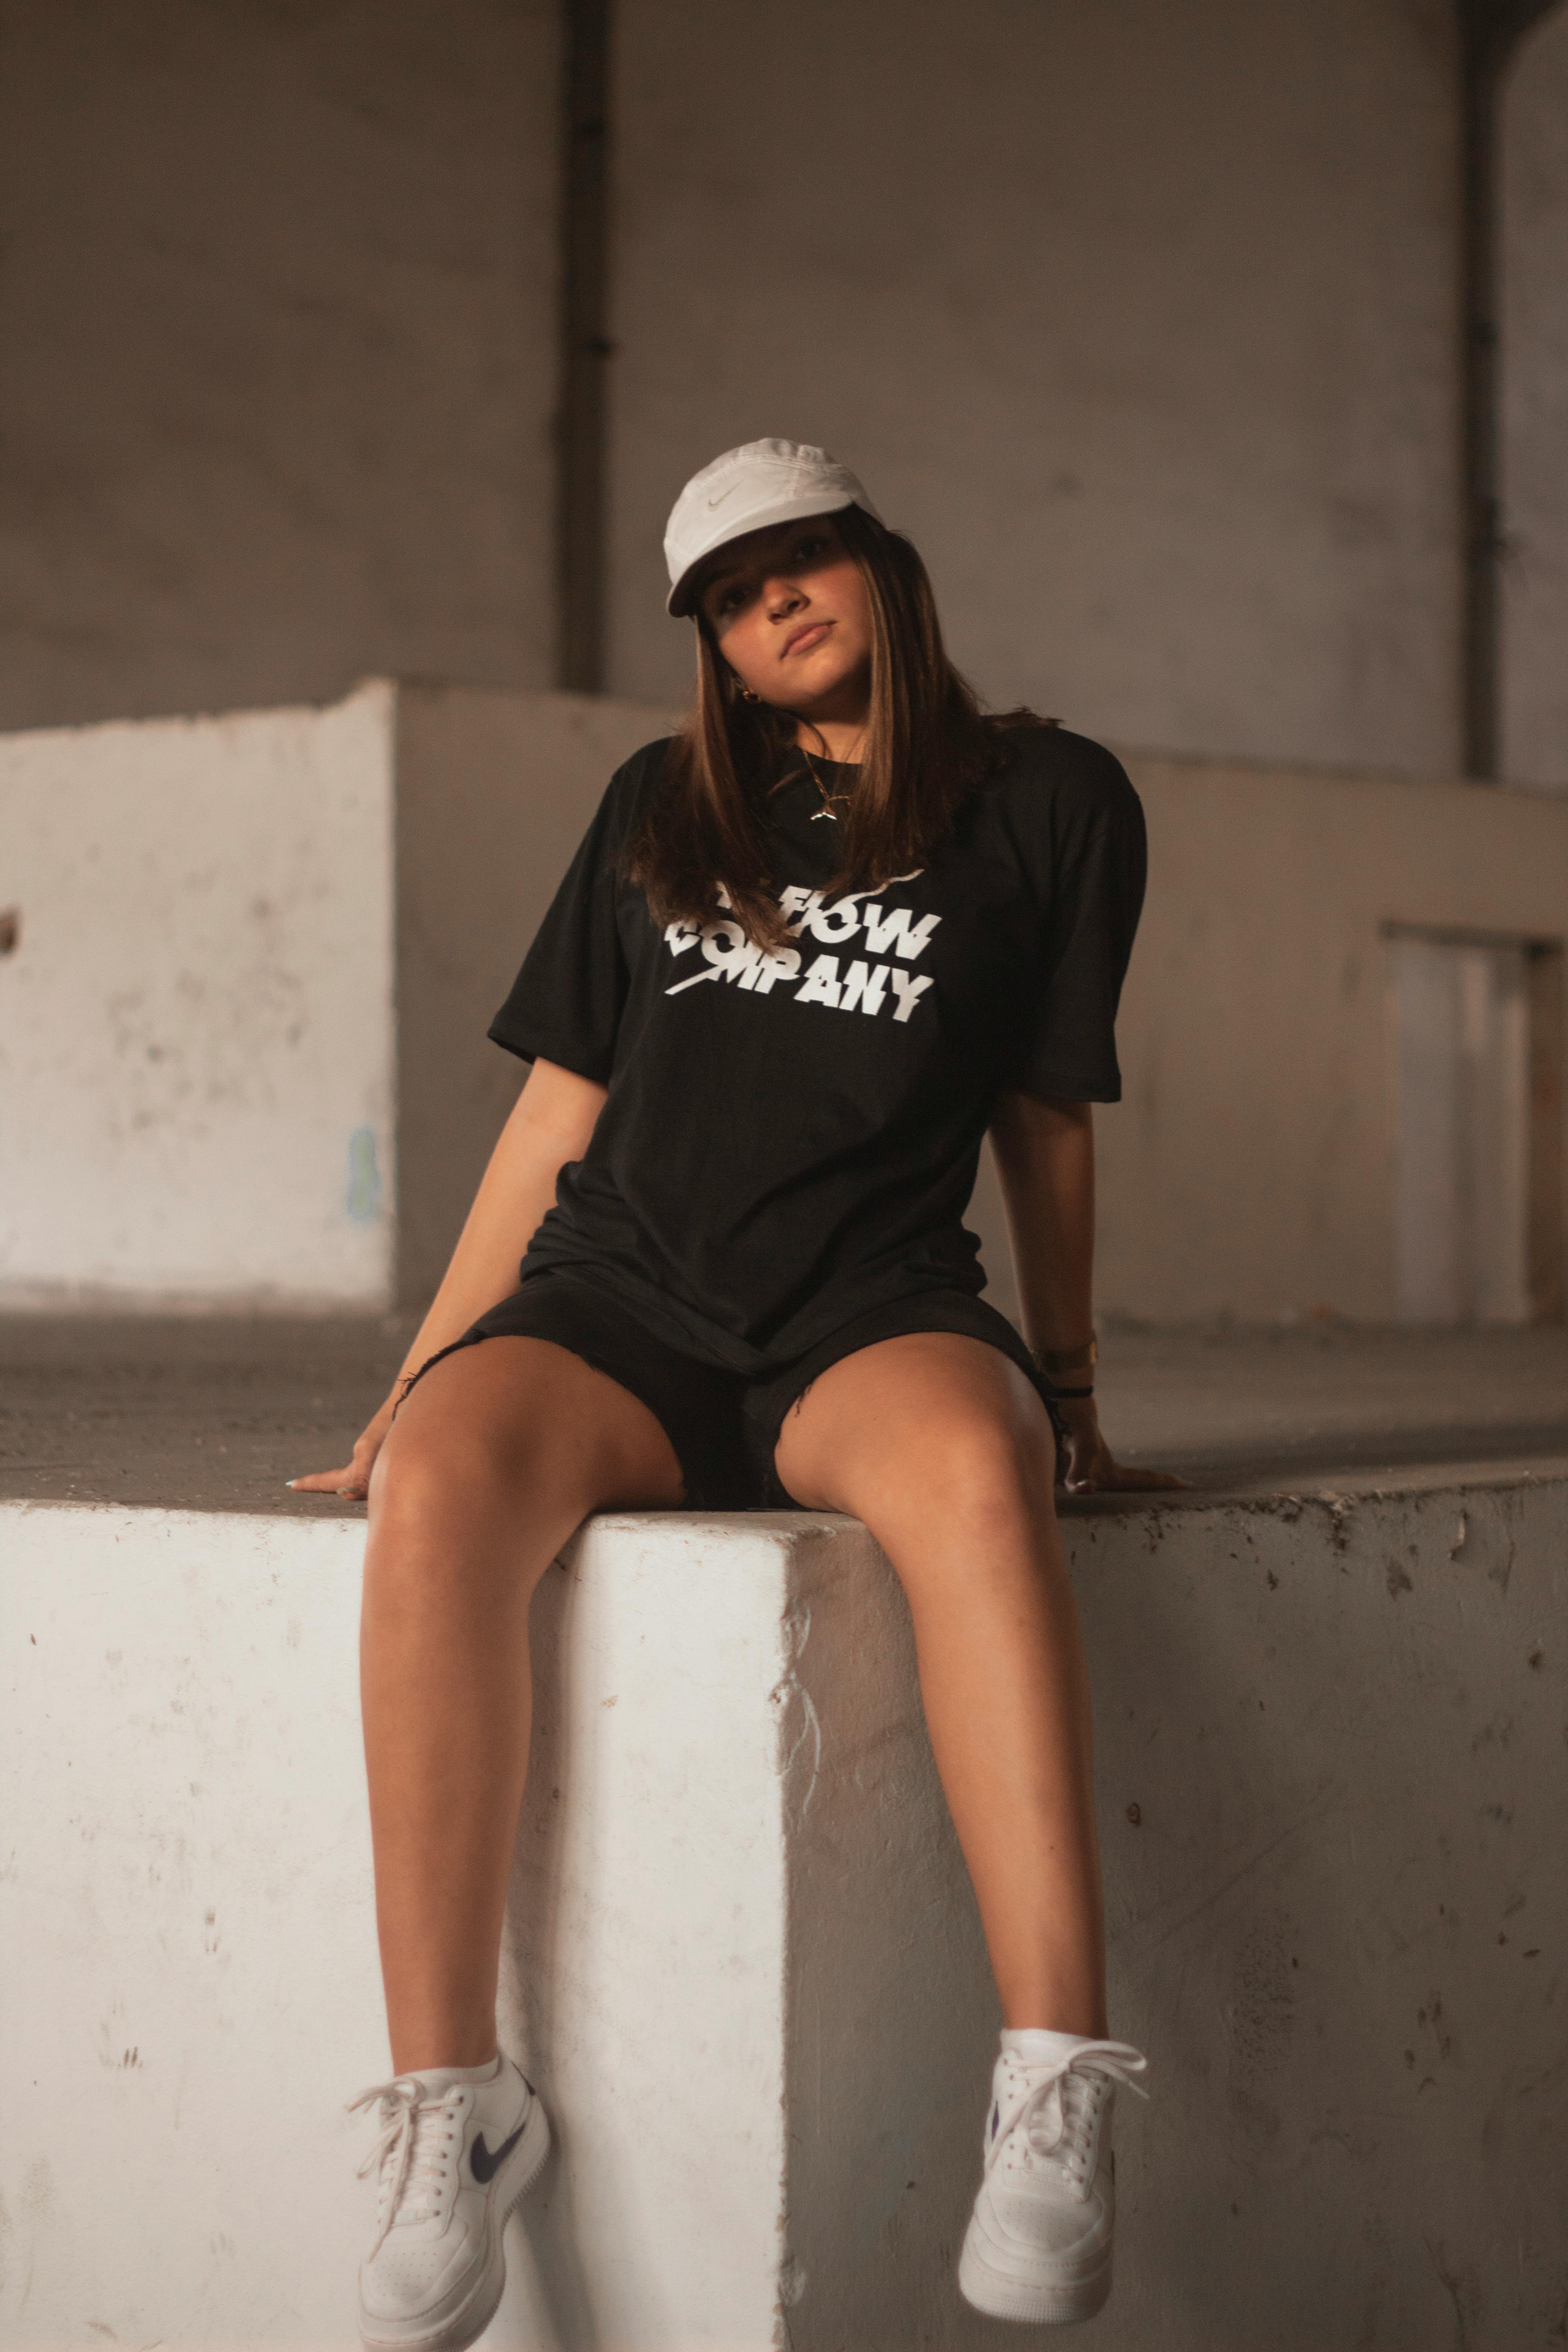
{"x":680,"y":600}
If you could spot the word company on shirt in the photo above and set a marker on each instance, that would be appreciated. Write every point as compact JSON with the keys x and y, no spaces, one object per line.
{"x":728,"y":954}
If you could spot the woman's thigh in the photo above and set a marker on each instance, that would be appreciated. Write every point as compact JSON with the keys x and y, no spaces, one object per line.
{"x":515,"y":1422}
{"x":927,"y":1435}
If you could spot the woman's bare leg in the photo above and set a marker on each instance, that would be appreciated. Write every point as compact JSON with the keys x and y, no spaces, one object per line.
{"x":496,"y":1456}
{"x":942,"y":1447}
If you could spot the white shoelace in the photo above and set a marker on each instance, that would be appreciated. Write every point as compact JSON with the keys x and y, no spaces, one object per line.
{"x":1052,"y":2127}
{"x":416,"y":2133}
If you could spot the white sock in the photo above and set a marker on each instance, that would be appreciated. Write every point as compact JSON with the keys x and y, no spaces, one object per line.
{"x":1037,"y":2045}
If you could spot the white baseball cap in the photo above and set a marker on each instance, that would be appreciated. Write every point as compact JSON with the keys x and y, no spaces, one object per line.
{"x":746,"y":490}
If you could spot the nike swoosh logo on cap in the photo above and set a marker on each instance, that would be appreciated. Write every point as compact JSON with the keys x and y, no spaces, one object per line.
{"x":724,"y":495}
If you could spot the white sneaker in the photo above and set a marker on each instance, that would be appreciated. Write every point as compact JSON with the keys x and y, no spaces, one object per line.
{"x":1038,"y":2243}
{"x":454,"y":2156}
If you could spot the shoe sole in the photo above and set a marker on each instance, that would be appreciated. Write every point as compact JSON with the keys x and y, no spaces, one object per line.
{"x":1060,"y":2305}
{"x":465,"y":2327}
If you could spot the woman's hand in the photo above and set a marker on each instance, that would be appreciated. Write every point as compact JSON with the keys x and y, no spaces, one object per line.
{"x":352,"y":1482}
{"x":1085,"y":1465}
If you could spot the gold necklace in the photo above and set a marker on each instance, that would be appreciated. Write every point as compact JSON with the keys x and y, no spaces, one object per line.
{"x":831,"y":802}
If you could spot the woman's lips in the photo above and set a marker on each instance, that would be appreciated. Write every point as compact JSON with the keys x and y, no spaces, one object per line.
{"x":802,"y":641}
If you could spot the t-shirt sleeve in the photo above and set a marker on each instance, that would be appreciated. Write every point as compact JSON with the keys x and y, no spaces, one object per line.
{"x":566,"y":1002}
{"x":1088,"y":853}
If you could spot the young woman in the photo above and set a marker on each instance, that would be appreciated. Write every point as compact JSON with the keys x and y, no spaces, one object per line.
{"x":812,"y":948}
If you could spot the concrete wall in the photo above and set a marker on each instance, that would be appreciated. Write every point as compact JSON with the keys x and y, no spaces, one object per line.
{"x":1535,"y":408}
{"x":741,"y":1953}
{"x":1140,"y":318}
{"x":198,"y":1022}
{"x":196,"y":1025}
{"x":1249,"y":1169}
{"x":277,"y":295}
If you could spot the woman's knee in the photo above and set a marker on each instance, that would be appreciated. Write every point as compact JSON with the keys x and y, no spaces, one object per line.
{"x":448,"y":1462}
{"x":989,"y":1471}
{"x":530,"y":1424}
{"x":432,"y":1423}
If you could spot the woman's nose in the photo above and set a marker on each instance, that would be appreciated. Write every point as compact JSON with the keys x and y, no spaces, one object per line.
{"x":784,"y":596}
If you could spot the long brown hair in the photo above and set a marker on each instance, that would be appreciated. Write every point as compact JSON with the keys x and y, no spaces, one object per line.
{"x":927,"y":748}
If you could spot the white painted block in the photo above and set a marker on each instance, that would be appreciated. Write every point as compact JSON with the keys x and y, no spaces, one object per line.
{"x":191,"y":1984}
{"x":741,"y":1952}
{"x":196,"y":1026}
{"x":192,"y":1987}
{"x":243,"y":1058}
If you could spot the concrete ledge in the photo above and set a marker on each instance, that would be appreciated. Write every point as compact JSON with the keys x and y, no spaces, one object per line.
{"x":741,"y":1953}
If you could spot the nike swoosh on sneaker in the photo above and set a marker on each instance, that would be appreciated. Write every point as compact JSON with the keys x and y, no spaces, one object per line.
{"x":486,"y":2166}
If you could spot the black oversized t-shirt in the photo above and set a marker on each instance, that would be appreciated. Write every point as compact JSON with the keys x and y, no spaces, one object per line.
{"x":790,"y":1137}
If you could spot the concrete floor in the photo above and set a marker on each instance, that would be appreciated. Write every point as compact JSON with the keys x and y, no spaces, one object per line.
{"x":214,"y":1413}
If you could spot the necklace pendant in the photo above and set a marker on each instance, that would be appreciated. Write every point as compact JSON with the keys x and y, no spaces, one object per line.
{"x":831,"y":802}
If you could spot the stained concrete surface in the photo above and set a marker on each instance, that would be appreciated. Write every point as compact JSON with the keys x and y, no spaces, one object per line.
{"x":1331,"y":1780}
{"x":1176,"y":480}
{"x":1330,"y":1766}
{"x":215,"y":1413}
{"x":279,"y":285}
{"x":1171,"y":416}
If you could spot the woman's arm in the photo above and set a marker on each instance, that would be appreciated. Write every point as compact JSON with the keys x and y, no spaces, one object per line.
{"x":1045,"y":1158}
{"x":550,"y":1125}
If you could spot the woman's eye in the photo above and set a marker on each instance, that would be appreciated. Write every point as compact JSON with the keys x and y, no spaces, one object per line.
{"x":808,"y":550}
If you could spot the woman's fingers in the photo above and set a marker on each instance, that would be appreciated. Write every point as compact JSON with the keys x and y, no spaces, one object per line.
{"x":353,"y":1480}
{"x":1147,"y":1481}
{"x":350,"y":1480}
{"x":1091,"y":1469}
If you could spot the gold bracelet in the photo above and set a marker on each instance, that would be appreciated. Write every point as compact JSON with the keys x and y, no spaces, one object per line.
{"x":1052,"y":1361}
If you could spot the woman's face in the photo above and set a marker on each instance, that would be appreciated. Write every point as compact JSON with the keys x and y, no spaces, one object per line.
{"x":789,"y":609}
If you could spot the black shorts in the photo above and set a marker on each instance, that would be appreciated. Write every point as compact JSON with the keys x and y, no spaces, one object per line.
{"x":722,"y":1426}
